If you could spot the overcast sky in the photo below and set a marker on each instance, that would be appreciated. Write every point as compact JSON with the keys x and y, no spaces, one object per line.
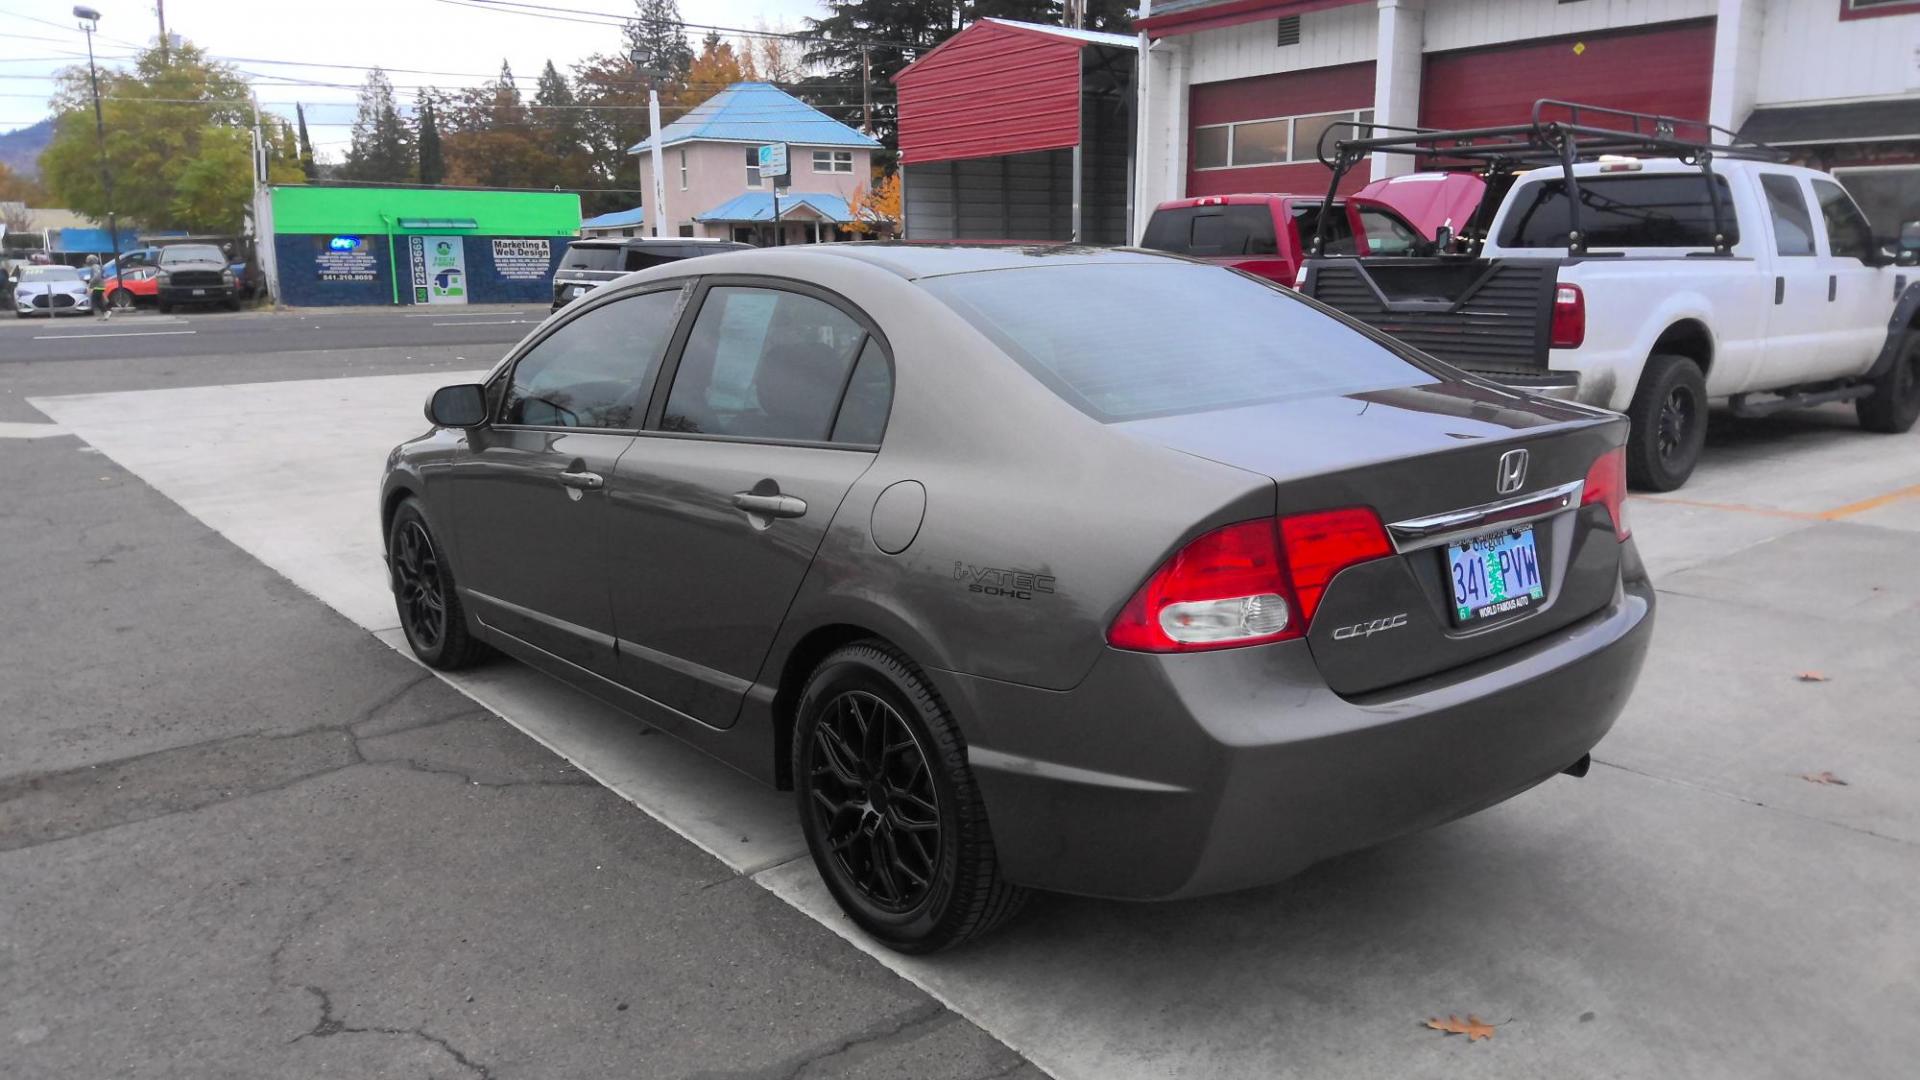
{"x":38,"y":38}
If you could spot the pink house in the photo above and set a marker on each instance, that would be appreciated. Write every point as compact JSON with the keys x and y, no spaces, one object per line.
{"x":713,"y":184}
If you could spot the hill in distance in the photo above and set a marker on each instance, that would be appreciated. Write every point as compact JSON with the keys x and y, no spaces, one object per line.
{"x":20,"y":149}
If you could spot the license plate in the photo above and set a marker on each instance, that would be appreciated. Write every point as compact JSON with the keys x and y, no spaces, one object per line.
{"x":199,"y":292}
{"x":1494,"y":574}
{"x":577,"y":291}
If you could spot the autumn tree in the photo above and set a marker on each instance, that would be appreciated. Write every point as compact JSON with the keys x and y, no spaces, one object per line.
{"x":717,"y":67}
{"x":17,"y":188}
{"x":616,"y":118}
{"x":382,"y":147}
{"x":489,"y":140}
{"x":179,"y":143}
{"x":773,"y":55}
{"x":875,"y":208}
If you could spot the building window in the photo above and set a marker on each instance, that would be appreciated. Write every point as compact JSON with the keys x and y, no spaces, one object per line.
{"x":1276,"y":141}
{"x":753,"y":166}
{"x":833,"y":161}
{"x":1867,"y":9}
{"x":683,"y":170}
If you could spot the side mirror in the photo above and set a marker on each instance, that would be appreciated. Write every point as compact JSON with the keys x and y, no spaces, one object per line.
{"x":461,"y":406}
{"x":1907,"y":250}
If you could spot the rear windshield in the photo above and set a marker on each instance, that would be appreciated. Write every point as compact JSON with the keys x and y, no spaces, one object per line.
{"x":192,"y":253}
{"x":1212,"y":231}
{"x":1306,"y":217}
{"x":1122,"y":342}
{"x":1622,"y":211}
{"x":591,"y":258}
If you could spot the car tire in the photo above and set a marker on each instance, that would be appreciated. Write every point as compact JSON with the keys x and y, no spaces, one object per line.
{"x":896,"y":825}
{"x":431,"y":614}
{"x":120,"y":300}
{"x":1669,"y":418}
{"x":232,"y":305}
{"x":165,"y":308}
{"x":1894,"y":404}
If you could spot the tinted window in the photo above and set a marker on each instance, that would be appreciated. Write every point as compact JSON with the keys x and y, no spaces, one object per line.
{"x":1122,"y":342}
{"x":1792,"y":225}
{"x":765,"y":364}
{"x":1212,"y":230}
{"x":863,"y":412}
{"x":1848,"y":234}
{"x":180,"y":253}
{"x":594,"y":371}
{"x":1306,"y":218}
{"x":579,"y":257}
{"x":1622,"y":211}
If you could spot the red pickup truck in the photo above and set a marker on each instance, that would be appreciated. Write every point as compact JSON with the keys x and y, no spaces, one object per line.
{"x":1266,"y":234}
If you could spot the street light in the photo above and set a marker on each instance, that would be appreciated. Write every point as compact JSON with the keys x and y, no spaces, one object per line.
{"x":658,"y":197}
{"x":90,"y":22}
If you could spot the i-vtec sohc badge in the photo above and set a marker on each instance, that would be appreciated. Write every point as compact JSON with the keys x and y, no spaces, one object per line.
{"x":1370,"y":627}
{"x":993,"y":581}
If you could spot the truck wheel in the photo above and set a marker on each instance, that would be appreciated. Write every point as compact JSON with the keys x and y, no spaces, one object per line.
{"x":1895,"y":402}
{"x":1669,"y":417}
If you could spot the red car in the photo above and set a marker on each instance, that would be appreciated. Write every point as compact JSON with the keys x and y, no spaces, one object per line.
{"x":140,"y":284}
{"x":1267,"y":234}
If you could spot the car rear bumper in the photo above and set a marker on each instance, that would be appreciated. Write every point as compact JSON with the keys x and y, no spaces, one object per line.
{"x":1172,"y":776}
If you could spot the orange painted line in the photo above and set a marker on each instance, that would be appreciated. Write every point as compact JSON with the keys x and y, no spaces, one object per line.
{"x":1763,"y":511}
{"x":1874,"y":503}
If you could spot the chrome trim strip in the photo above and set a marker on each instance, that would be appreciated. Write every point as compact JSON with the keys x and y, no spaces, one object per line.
{"x":1416,"y":534}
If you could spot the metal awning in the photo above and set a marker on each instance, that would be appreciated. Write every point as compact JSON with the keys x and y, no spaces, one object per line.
{"x":1847,"y":122}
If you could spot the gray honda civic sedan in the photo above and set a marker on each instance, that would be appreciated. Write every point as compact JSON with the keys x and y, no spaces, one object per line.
{"x":1084,"y":570}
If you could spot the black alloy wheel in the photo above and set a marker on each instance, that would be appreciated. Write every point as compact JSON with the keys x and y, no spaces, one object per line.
{"x":416,"y":585}
{"x":892,"y":813}
{"x":429,"y":607}
{"x":873,"y":799}
{"x":1894,"y":404}
{"x":1669,"y":423}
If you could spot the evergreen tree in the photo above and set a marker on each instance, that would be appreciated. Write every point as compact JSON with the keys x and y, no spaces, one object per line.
{"x":657,"y":34}
{"x":307,"y":164}
{"x":557,"y":118}
{"x":382,"y":147}
{"x":426,"y":138}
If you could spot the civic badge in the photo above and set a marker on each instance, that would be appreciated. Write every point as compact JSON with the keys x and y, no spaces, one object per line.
{"x":1513,"y":472}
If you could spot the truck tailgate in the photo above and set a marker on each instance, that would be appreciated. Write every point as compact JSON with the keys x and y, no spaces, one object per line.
{"x":1491,"y":318}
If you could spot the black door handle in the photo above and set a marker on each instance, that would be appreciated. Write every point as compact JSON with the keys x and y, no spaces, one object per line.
{"x":773,"y":506}
{"x":1833,"y":287}
{"x":1780,"y":290}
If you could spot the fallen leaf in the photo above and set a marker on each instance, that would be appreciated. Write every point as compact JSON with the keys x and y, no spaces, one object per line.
{"x":1472,"y":1027}
{"x":1811,"y":676}
{"x":1823,"y":778}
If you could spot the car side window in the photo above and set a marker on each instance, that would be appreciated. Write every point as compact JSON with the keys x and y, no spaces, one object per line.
{"x":1387,"y":235}
{"x":763,"y":363}
{"x":1792,"y":224}
{"x":869,"y":396}
{"x":594,"y":371}
{"x":1848,"y":234}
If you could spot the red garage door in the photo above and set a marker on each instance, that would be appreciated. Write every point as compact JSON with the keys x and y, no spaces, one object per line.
{"x":1665,"y":69}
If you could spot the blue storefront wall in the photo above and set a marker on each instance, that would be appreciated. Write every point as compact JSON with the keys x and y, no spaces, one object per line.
{"x":319,"y":270}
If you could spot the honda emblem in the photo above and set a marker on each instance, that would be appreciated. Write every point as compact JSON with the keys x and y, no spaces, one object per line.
{"x":1513,"y":472}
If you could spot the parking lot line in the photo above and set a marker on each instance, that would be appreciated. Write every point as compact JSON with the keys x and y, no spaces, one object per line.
{"x":477,"y":322}
{"x":1737,"y":508}
{"x":1874,"y":503}
{"x":134,"y":333}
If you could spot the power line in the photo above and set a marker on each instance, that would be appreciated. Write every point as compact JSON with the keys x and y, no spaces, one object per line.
{"x":607,"y":18}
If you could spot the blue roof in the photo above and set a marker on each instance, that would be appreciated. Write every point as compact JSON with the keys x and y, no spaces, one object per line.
{"x":616,"y":219}
{"x":758,"y":206}
{"x":89,"y":241}
{"x":756,"y":112}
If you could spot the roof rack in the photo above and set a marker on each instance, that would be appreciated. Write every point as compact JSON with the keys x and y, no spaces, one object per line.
{"x":1562,"y":133}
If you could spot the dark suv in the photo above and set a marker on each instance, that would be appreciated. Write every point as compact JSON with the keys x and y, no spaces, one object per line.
{"x":588,"y":264}
{"x":196,"y":274}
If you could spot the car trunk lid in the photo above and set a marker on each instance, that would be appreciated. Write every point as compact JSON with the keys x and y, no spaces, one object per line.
{"x":1429,"y":461}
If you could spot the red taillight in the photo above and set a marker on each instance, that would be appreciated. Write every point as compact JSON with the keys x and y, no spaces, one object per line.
{"x":1321,"y":544}
{"x":1234,"y":586}
{"x":1607,"y":485}
{"x":1569,"y":317}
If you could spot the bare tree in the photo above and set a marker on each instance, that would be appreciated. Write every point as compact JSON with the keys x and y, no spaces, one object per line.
{"x":773,"y":56}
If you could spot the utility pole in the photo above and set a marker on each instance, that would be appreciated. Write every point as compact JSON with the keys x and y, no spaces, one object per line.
{"x":866,"y":90}
{"x":160,"y":8}
{"x":658,"y":195}
{"x":89,"y":22}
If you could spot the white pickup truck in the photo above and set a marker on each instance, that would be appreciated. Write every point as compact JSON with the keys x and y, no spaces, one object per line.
{"x":1650,"y":300}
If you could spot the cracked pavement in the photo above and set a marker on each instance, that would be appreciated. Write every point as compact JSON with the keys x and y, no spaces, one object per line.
{"x":239,"y":837}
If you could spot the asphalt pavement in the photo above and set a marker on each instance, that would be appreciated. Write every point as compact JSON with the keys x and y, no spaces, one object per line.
{"x":249,"y":839}
{"x":241,"y":837}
